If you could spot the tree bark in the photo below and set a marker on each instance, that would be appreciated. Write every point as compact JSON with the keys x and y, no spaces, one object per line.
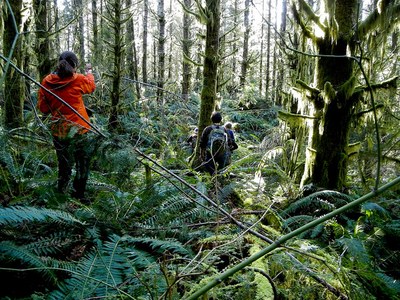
{"x":117,"y":49}
{"x":210,"y":70}
{"x":13,"y":84}
{"x":161,"y":50}
{"x":42,"y":41}
{"x":326,"y":158}
{"x":260,"y":84}
{"x":56,"y":42}
{"x":144,"y":42}
{"x":131,"y":54}
{"x":186,"y":47}
{"x":245,"y":55}
{"x":79,"y":47}
{"x":267,"y":68}
{"x":95,"y":30}
{"x":235,"y":48}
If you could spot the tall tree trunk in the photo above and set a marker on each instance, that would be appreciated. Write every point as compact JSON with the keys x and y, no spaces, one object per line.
{"x":267,"y":68}
{"x":131,"y":55}
{"x":154,"y":62}
{"x":42,"y":45}
{"x":56,"y":42}
{"x":102,"y":30}
{"x":260,"y":84}
{"x":161,"y":50}
{"x":170,"y":54}
{"x":13,"y":84}
{"x":326,"y":158}
{"x":95,"y":30}
{"x":145,"y":22}
{"x":283,"y":16}
{"x":117,"y":49}
{"x":235,"y":47}
{"x":245,"y":55}
{"x":80,"y":31}
{"x":186,"y":46}
{"x":210,"y":69}
{"x":280,"y":69}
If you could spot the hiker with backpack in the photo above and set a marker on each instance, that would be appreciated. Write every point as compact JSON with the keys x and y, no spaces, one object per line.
{"x":214,"y":145}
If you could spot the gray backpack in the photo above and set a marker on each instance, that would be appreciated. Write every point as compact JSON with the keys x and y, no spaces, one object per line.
{"x":217,"y":141}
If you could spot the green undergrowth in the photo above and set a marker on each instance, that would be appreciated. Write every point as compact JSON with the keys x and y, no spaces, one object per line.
{"x":158,"y":229}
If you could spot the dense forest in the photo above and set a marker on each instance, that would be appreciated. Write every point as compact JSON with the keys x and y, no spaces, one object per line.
{"x":309,"y":206}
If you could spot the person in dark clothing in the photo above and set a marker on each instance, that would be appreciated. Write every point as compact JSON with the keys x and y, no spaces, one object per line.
{"x":215,"y":159}
{"x":69,"y":130}
{"x":234,"y":146}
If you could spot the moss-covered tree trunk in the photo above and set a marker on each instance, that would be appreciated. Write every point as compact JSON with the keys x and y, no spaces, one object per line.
{"x":210,"y":70}
{"x":42,"y":39}
{"x":55,"y":43}
{"x":79,"y":34}
{"x":13,"y":84}
{"x":186,"y":47}
{"x":245,"y":54}
{"x":95,"y":34}
{"x":326,"y":158}
{"x":116,"y":15}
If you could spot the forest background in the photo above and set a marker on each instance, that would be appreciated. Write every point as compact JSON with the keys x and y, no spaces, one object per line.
{"x":309,"y":207}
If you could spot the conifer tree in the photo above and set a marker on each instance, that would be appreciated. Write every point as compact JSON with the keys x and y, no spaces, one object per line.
{"x":12,"y":46}
{"x":334,"y":94}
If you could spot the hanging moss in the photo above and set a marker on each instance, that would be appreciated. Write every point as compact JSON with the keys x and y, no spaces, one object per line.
{"x":346,"y":90}
{"x":329,"y":92}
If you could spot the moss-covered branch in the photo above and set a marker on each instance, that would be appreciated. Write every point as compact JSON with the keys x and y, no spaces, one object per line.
{"x":381,"y":14}
{"x":361,"y":113}
{"x":306,"y":31}
{"x":307,"y":87}
{"x":387,"y":84}
{"x":309,"y":12}
{"x":390,"y":83}
{"x":293,"y":119}
{"x":189,"y":11}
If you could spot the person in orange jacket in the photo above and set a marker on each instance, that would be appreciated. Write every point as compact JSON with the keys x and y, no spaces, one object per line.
{"x":68,"y":127}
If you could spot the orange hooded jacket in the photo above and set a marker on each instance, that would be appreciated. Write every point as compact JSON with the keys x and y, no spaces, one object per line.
{"x":69,"y":89}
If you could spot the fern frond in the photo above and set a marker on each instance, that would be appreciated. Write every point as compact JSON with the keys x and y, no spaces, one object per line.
{"x":355,"y":249}
{"x":111,"y":270}
{"x":159,"y":246}
{"x":99,"y":273}
{"x":392,"y":228}
{"x":18,"y":214}
{"x":318,"y":203}
{"x":371,"y":209}
{"x":11,"y":252}
{"x":53,"y":243}
{"x":391,"y":283}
